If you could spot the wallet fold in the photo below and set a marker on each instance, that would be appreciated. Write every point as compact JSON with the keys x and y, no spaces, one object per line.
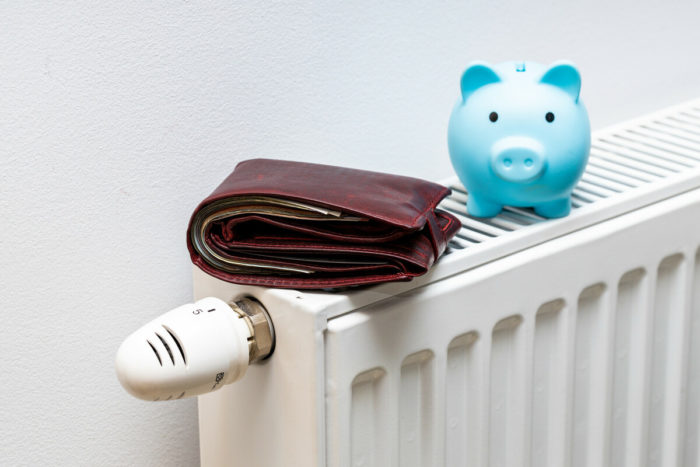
{"x":311,"y":226}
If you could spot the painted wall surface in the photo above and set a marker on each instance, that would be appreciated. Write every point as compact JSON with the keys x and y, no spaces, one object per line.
{"x":117,"y":118}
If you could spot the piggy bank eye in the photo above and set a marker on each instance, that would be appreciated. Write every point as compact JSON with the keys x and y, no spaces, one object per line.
{"x":549,"y":117}
{"x":493,"y":116}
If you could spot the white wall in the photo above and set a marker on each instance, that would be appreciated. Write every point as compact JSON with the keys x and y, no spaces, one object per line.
{"x":115,"y":121}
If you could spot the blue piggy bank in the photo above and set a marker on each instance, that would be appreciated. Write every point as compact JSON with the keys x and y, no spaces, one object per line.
{"x":519,"y":136}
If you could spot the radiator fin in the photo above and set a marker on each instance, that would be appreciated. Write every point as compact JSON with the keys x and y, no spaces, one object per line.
{"x":416,"y":404}
{"x":462,"y":408}
{"x":589,"y":377}
{"x":368,"y":431}
{"x":549,"y":383}
{"x":666,"y":360}
{"x":629,"y":353}
{"x":692,"y":428}
{"x":505,"y":404}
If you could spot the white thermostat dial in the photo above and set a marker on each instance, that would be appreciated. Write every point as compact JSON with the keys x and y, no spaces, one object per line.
{"x":194,"y":349}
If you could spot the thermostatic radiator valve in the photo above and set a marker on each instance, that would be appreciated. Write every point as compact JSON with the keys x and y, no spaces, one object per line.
{"x":195,"y":349}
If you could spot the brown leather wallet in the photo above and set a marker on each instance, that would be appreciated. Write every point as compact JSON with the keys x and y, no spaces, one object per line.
{"x":310,"y":226}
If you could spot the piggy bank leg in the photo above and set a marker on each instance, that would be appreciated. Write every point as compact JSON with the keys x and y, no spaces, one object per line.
{"x":480,"y":207}
{"x":556,"y":208}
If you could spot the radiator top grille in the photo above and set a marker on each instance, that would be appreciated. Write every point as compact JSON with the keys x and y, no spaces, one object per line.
{"x":641,"y":156}
{"x":631,"y":165}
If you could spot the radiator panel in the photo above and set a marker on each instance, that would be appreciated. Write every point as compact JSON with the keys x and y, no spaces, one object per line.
{"x":569,"y":354}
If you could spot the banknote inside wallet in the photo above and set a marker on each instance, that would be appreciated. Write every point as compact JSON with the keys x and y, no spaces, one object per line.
{"x":255,"y":208}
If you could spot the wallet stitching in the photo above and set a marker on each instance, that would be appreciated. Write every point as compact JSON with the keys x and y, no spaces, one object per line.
{"x":246,"y":279}
{"x":430,"y":206}
{"x":298,"y":282}
{"x":326,"y":282}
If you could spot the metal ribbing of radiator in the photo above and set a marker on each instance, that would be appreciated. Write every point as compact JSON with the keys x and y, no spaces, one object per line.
{"x":609,"y":377}
{"x":621,"y":161}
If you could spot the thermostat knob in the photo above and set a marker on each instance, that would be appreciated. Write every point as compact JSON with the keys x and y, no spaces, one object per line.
{"x":194,"y":349}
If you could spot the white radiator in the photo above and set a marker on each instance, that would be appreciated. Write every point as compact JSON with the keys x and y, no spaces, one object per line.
{"x":570,"y":342}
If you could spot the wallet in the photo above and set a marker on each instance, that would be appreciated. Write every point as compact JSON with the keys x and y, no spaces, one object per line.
{"x":311,"y":226}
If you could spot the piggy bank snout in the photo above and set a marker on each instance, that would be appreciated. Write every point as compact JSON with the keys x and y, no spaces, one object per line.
{"x":518,"y":159}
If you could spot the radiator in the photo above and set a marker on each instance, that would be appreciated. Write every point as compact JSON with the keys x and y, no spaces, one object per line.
{"x":532,"y":342}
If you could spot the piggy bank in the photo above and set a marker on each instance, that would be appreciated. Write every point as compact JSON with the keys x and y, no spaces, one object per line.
{"x":519,"y":136}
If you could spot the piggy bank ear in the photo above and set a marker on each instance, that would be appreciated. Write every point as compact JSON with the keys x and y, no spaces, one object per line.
{"x":565,"y":76}
{"x":476,"y":75}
